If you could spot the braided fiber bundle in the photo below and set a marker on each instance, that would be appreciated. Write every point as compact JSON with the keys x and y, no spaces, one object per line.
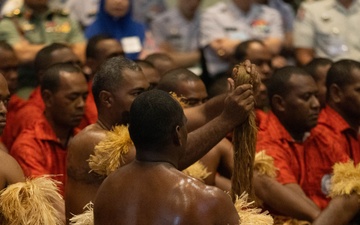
{"x":346,"y":179}
{"x":109,"y":153}
{"x":244,"y":141}
{"x":31,"y":203}
{"x":86,"y":218}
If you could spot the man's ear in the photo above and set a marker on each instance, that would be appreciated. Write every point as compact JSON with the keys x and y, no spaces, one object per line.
{"x":106,"y":99}
{"x":48,"y":98}
{"x":278,"y":103}
{"x":177,"y":136}
{"x":335,"y":93}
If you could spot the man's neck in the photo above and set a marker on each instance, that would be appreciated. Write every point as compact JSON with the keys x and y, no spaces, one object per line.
{"x":63,"y":133}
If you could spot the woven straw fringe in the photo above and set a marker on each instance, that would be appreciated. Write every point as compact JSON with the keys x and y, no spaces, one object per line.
{"x":86,"y":218}
{"x":197,"y":170}
{"x":264,"y":164}
{"x":31,"y":203}
{"x":345,"y":179}
{"x":249,"y":215}
{"x":109,"y":153}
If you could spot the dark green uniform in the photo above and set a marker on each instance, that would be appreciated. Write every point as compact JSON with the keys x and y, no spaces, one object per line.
{"x":49,"y":27}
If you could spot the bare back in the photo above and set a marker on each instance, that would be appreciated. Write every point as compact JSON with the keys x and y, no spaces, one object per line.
{"x":157,"y":193}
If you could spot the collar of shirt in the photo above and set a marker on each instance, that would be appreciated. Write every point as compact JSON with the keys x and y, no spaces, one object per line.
{"x":329,"y":116}
{"x":276,"y":130}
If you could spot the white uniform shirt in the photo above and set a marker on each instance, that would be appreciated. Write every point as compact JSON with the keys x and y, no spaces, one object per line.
{"x":329,"y":28}
{"x":226,"y":20}
{"x":173,"y":28}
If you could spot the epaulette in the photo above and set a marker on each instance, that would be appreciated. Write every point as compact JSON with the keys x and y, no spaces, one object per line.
{"x":13,"y":13}
{"x":60,"y":12}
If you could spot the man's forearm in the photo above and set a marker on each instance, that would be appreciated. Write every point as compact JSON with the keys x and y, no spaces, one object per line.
{"x":283,"y":199}
{"x":203,"y":139}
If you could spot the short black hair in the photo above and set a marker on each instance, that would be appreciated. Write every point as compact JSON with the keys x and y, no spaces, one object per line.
{"x":340,"y":73}
{"x":278,"y":82}
{"x":154,"y":116}
{"x":109,"y":76}
{"x":91,"y":47}
{"x":170,"y":80}
{"x":43,"y":60}
{"x":241,"y":49}
{"x":314,"y":64}
{"x":51,"y":76}
{"x":158,"y":56}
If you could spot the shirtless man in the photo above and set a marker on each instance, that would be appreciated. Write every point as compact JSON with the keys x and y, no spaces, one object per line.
{"x":170,"y":197}
{"x":192,"y":92}
{"x":118,"y":82}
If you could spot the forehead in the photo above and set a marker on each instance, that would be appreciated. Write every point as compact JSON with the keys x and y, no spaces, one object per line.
{"x":133,"y":80}
{"x":192,"y":87}
{"x":299,"y":84}
{"x":109,"y":47}
{"x":72,"y":82}
{"x":63,"y":55}
{"x":258,"y":51}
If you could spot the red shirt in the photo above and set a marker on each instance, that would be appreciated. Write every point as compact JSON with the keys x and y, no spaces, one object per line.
{"x":332,"y":141}
{"x":287,"y":153}
{"x":39,"y":152}
{"x":14,"y":105}
{"x":24,"y":117}
{"x":332,"y":122}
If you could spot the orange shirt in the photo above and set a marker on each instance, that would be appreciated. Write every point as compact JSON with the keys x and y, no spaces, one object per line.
{"x":39,"y":152}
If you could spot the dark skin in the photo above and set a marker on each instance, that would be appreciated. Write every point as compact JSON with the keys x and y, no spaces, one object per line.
{"x":222,"y":119}
{"x":220,"y":158}
{"x":157,"y":167}
{"x":10,"y":171}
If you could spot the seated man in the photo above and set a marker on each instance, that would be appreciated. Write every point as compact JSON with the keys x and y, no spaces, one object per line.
{"x":42,"y":148}
{"x":176,"y":32}
{"x":34,"y":107}
{"x":192,"y":92}
{"x":9,"y":69}
{"x":318,"y":68}
{"x":116,"y":85}
{"x":294,"y":111}
{"x":10,"y":171}
{"x":160,"y":135}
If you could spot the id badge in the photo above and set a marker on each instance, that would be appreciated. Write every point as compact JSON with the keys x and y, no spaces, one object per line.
{"x":131,"y":44}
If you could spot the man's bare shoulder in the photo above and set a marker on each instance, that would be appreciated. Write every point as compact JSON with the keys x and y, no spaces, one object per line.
{"x":10,"y":170}
{"x":80,"y":149}
{"x":86,"y":139}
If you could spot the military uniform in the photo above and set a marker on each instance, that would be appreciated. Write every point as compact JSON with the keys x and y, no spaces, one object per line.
{"x":329,"y":28}
{"x":173,"y":28}
{"x":49,"y":27}
{"x":226,"y":20}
